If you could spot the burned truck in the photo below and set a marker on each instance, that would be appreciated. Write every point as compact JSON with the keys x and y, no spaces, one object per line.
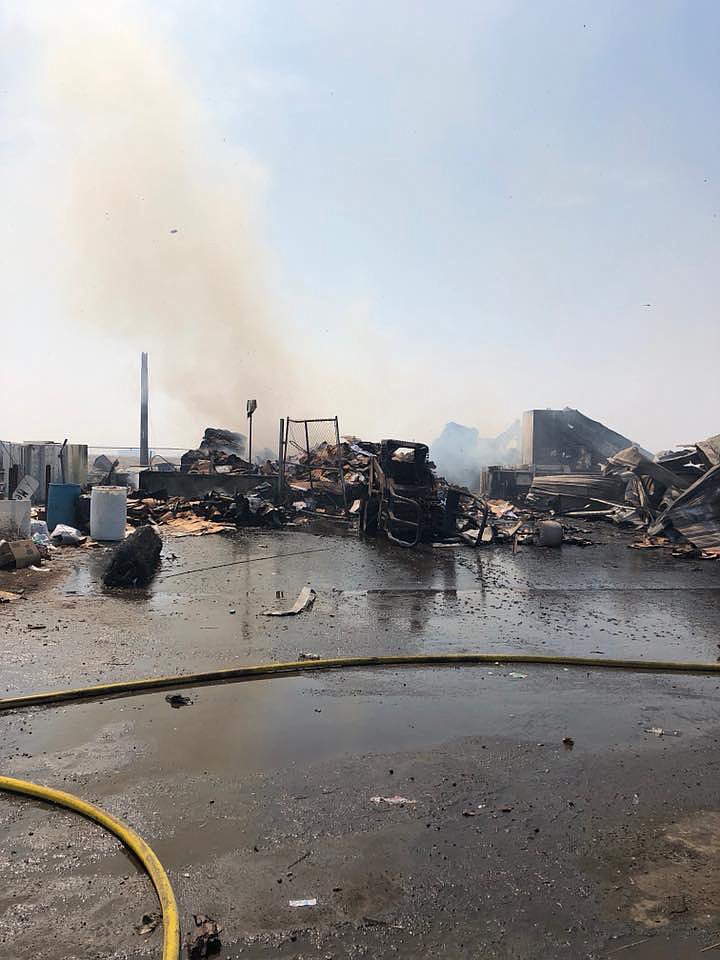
{"x":407,"y":502}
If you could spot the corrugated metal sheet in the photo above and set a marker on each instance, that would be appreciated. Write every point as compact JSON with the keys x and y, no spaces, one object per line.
{"x":574,"y":489}
{"x":696,"y":513}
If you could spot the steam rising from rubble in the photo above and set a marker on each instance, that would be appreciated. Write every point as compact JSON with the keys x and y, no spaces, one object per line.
{"x":160,"y":234}
{"x":460,"y":452}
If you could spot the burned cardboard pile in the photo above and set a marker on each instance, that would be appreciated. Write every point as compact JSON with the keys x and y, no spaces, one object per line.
{"x":211,"y":513}
{"x":330,"y":478}
{"x":220,"y":451}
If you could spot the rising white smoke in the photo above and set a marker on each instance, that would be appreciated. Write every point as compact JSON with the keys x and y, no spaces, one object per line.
{"x":159,"y":216}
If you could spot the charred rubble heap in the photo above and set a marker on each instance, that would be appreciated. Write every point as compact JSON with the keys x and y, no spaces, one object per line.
{"x":220,"y":451}
{"x":583,"y":472}
{"x":673,"y":498}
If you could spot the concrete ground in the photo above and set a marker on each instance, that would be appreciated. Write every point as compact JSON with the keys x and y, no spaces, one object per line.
{"x":511,"y":844}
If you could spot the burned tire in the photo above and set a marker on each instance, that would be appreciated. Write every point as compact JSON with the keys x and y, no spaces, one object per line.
{"x":369,"y":516}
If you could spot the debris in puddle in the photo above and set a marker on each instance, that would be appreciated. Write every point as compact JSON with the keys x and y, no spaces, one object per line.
{"x":308,"y":902}
{"x":299,"y":860}
{"x":204,"y":941}
{"x":177,"y":700}
{"x":393,"y":801}
{"x":304,"y":601}
{"x":635,"y":943}
{"x":568,"y":743}
{"x":375,"y":922}
{"x":149,"y":923}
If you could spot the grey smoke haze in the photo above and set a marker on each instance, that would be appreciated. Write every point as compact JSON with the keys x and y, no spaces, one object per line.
{"x":460,"y":452}
{"x":160,"y":235}
{"x":449,"y":236}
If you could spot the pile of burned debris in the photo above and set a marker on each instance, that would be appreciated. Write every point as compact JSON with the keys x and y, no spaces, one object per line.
{"x":331,"y":480}
{"x":212,"y":513}
{"x":394,"y":489}
{"x":403,"y":498}
{"x":220,"y":451}
{"x":674,"y":498}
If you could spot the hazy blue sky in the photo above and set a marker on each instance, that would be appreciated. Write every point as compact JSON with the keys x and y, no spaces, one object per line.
{"x":462,"y":210}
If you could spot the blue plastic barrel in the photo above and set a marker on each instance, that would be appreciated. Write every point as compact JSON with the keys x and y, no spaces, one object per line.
{"x":61,"y":501}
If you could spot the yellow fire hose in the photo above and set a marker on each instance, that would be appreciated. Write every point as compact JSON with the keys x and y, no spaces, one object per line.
{"x":153,"y":867}
{"x":262,"y":670}
{"x":135,"y":843}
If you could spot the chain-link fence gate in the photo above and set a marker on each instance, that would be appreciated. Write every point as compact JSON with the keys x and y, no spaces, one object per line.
{"x":311,"y":455}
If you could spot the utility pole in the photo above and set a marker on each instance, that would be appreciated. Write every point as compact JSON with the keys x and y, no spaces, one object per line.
{"x":144,"y":451}
{"x":251,"y":408}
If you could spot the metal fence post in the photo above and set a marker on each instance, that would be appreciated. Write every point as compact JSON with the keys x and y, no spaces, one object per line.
{"x":340,"y":463}
{"x":281,"y":464}
{"x":307,"y":444}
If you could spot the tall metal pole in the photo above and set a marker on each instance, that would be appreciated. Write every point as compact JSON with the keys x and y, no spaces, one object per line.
{"x":144,"y":451}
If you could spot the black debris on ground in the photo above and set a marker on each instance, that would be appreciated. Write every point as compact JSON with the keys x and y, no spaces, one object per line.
{"x":135,"y":560}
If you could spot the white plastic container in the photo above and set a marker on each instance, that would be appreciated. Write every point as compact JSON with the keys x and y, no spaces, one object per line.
{"x":14,"y":519}
{"x":108,"y":513}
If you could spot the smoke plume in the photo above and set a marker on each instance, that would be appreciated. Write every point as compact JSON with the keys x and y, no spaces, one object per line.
{"x":159,"y":217}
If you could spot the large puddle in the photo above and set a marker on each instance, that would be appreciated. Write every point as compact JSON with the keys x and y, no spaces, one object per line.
{"x":266,"y":725}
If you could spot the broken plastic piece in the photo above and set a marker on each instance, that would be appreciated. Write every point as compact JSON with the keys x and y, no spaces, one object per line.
{"x":393,"y":801}
{"x":305,"y":600}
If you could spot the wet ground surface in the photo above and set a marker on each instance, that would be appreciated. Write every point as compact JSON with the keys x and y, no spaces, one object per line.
{"x":513,"y":845}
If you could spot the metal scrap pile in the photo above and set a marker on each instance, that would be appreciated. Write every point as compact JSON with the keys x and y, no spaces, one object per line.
{"x":673,"y":497}
{"x":508,"y":523}
{"x":404,"y":499}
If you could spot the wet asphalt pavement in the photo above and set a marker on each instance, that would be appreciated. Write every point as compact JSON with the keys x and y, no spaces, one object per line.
{"x":511,"y":845}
